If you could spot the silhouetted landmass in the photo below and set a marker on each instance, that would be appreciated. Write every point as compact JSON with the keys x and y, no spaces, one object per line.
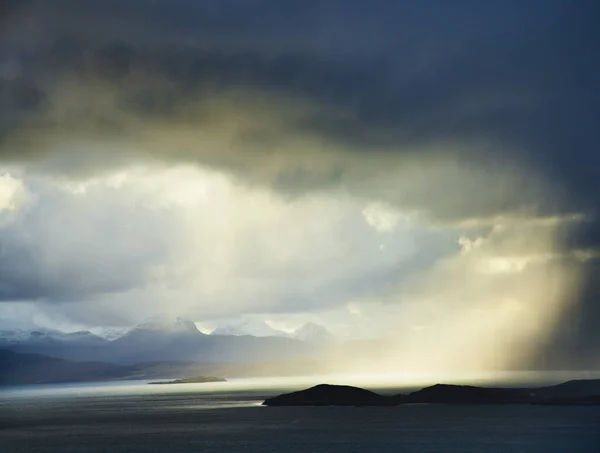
{"x":567,"y":393}
{"x":193,"y":380}
{"x":571,"y":389}
{"x":21,"y":369}
{"x":26,"y":368}
{"x":330,"y":395}
{"x":467,"y":394}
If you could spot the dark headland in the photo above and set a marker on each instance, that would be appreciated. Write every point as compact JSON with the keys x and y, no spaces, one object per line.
{"x":567,"y":393}
{"x":192,"y":380}
{"x":331,"y":395}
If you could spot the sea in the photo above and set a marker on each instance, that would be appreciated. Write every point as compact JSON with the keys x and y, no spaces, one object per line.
{"x":132,"y":416}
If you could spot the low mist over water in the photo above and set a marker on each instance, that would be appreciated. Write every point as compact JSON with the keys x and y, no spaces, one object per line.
{"x":267,"y":386}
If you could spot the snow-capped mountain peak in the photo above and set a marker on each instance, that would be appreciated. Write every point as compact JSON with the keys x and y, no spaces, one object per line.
{"x":255,"y":328}
{"x":168,"y":325}
{"x":111,"y":333}
{"x":313,"y":333}
{"x":20,"y":336}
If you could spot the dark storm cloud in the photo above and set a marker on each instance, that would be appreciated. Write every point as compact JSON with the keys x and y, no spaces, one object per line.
{"x":507,"y":81}
{"x":518,"y":77}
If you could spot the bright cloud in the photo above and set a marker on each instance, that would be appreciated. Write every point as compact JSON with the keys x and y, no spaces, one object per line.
{"x":12,"y":192}
{"x":196,"y":242}
{"x":382,"y":217}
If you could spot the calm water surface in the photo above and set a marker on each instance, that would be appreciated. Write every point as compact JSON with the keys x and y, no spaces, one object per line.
{"x":228,"y":417}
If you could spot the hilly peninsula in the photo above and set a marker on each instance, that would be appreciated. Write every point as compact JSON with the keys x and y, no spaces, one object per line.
{"x":574,"y":392}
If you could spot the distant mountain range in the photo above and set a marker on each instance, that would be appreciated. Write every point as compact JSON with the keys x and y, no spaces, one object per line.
{"x":249,"y":327}
{"x":310,"y":332}
{"x":314,"y":334}
{"x":156,"y":339}
{"x":23,"y":368}
{"x":21,"y":336}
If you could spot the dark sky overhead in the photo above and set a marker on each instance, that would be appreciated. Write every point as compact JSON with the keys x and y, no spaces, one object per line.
{"x":380,"y":166}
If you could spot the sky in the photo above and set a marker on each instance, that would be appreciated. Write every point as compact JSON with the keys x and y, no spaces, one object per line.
{"x":422,"y":171}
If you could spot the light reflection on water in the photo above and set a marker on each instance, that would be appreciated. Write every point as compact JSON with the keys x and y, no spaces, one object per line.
{"x":132,"y":416}
{"x":267,"y":386}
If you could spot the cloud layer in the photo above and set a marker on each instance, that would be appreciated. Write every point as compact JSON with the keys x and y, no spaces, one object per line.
{"x":266,"y":157}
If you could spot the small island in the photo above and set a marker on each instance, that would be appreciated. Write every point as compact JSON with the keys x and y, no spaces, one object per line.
{"x":192,"y":380}
{"x":331,"y":395}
